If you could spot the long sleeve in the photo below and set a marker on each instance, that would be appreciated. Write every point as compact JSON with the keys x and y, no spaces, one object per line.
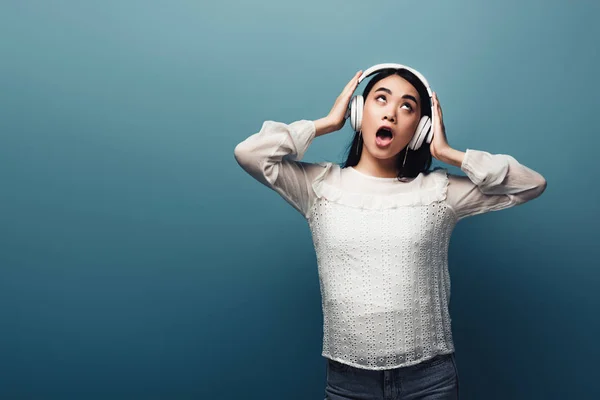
{"x":273,"y":157}
{"x":493,"y":182}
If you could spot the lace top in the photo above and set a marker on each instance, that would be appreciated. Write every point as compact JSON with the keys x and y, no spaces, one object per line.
{"x":382,"y":244}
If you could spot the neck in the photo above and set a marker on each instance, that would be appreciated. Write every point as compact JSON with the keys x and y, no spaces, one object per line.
{"x":382,"y":168}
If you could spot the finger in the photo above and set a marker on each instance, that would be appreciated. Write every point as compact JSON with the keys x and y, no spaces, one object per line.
{"x":353,"y":82}
{"x":437,"y":104}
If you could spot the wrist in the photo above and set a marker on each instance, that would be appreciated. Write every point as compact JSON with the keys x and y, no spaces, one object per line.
{"x":451,"y":156}
{"x":323,"y":126}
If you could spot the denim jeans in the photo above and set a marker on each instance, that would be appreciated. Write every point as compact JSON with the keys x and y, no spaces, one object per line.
{"x":434,"y":379}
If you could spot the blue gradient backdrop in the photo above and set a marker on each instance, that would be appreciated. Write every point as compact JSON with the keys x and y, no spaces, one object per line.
{"x":138,"y":261}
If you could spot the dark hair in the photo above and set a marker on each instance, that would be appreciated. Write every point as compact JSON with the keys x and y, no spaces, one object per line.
{"x":417,"y":161}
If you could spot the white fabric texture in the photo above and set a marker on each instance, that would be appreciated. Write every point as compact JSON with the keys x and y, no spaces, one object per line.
{"x":382,"y":244}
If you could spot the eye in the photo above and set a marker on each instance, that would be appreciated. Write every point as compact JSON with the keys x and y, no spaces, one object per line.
{"x":408,"y":105}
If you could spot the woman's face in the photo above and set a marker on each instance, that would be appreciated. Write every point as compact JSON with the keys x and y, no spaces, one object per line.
{"x":393,"y":103}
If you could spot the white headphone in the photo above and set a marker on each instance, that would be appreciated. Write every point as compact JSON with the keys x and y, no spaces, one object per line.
{"x":424,"y":131}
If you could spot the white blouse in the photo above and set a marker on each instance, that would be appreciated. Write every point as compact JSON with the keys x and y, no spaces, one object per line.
{"x":382,"y":244}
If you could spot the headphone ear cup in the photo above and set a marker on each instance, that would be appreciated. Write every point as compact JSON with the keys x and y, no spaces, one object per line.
{"x":420,"y":133}
{"x":356,"y":109}
{"x":430,"y":133}
{"x":425,"y":132}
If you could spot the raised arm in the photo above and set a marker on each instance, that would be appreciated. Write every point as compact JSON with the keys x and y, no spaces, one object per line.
{"x":493,"y":182}
{"x":273,"y":157}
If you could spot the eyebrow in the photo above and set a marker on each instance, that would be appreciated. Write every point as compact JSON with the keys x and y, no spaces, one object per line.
{"x":406,"y":96}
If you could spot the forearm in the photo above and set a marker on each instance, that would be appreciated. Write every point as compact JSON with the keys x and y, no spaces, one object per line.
{"x":262,"y":152}
{"x":323,"y":126}
{"x":452,"y":156}
{"x":501,"y":174}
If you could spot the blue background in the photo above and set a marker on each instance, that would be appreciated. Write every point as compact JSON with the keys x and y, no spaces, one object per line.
{"x":137,"y":259}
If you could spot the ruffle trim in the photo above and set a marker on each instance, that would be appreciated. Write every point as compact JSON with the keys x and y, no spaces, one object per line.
{"x":420,"y":196}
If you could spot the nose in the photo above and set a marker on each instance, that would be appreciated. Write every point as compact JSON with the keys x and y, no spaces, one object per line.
{"x":390,"y":117}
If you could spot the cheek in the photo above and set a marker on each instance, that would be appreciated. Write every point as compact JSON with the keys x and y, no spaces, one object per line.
{"x":410,"y":120}
{"x":407,"y":128}
{"x":367,"y":117}
{"x":369,"y":125}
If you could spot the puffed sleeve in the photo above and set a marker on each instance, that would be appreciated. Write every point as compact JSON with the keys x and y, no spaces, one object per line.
{"x":493,"y":182}
{"x":273,"y":157}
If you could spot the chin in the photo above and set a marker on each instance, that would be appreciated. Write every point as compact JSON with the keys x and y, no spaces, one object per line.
{"x":384,"y":154}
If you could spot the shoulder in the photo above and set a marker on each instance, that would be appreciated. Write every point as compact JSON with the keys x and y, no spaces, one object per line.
{"x":322,"y":171}
{"x":435,"y":183}
{"x":437,"y":173}
{"x":442,"y":176}
{"x":438,"y":176}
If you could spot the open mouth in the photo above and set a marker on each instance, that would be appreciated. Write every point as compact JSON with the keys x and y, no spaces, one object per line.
{"x":384,"y":136}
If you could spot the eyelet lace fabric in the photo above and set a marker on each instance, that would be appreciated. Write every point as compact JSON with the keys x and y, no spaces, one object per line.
{"x":383,"y":270}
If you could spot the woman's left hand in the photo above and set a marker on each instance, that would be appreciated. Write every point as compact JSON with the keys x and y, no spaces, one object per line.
{"x":439,"y":145}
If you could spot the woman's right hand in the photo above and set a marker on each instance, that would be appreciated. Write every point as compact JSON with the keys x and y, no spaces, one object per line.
{"x":335,"y":120}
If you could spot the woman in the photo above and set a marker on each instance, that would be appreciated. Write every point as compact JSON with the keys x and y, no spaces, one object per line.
{"x":381,"y":225}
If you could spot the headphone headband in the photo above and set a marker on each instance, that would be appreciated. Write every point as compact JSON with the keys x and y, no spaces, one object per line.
{"x":378,"y":67}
